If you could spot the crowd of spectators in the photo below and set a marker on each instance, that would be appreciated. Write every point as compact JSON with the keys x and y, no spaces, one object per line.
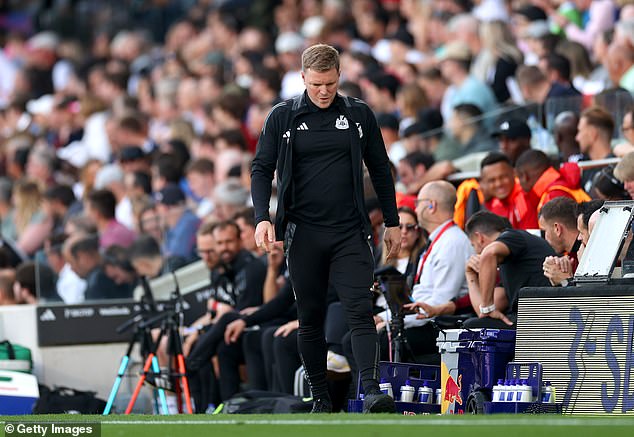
{"x":128,"y":129}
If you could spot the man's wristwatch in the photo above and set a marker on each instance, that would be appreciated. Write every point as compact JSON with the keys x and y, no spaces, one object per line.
{"x":487,"y":309}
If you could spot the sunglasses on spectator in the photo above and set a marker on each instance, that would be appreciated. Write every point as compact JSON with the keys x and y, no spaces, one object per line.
{"x":409,"y":227}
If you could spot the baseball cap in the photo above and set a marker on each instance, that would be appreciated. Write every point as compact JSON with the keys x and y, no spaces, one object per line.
{"x":170,"y":195}
{"x":427,"y":120}
{"x":512,"y":128}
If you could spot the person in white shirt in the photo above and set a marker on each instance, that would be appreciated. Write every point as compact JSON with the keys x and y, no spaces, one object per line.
{"x":440,"y":271}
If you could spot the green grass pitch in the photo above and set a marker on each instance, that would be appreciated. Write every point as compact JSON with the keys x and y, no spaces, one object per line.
{"x":349,"y":425}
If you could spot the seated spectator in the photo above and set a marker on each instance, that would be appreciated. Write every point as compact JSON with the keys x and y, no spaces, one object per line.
{"x":100,"y":207}
{"x":413,"y":239}
{"x":519,"y":257}
{"x":7,"y":296}
{"x":35,"y":283}
{"x":111,"y":177}
{"x":147,"y":260}
{"x":514,"y":136}
{"x":70,"y":287}
{"x":585,"y":222}
{"x":624,"y":172}
{"x":85,"y":260}
{"x":200,"y":178}
{"x":439,"y":274}
{"x":465,"y":88}
{"x":507,"y":197}
{"x":412,"y":168}
{"x":564,"y":133}
{"x":542,"y":183}
{"x":59,"y":203}
{"x":117,"y":266}
{"x":27,"y":224}
{"x":467,"y":127}
{"x":245,"y":219}
{"x":558,"y":221}
{"x":607,"y":187}
{"x":595,"y":129}
{"x":179,"y":222}
{"x":237,"y":282}
{"x":229,"y":197}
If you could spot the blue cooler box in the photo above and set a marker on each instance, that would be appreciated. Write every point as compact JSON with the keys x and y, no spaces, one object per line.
{"x":18,"y":393}
{"x":471,"y":363}
{"x":396,"y":374}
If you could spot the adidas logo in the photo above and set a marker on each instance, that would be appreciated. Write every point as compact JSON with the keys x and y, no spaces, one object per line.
{"x":302,"y":126}
{"x":48,"y":316}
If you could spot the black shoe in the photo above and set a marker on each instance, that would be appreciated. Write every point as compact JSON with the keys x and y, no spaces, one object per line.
{"x":159,"y":380}
{"x":321,"y":405}
{"x":378,"y":403}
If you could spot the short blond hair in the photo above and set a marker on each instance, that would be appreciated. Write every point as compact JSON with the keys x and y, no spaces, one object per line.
{"x":624,"y":170}
{"x":320,"y":57}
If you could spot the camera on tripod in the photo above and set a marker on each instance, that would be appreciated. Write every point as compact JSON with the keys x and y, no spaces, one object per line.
{"x":393,"y":285}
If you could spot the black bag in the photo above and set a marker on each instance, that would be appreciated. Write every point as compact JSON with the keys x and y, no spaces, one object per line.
{"x":67,"y":400}
{"x":265,"y":402}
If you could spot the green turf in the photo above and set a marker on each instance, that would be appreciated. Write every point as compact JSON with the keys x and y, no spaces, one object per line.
{"x":349,"y":425}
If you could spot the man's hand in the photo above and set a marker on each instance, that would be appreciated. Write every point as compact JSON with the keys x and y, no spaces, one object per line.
{"x":285,"y":330}
{"x":556,"y":269}
{"x":265,"y":235}
{"x":392,"y":239}
{"x":426,"y":311}
{"x":234,"y":330}
{"x":275,"y":257}
{"x":496,"y":314}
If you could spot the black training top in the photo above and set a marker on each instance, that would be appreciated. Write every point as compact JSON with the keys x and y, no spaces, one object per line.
{"x":524,"y":266}
{"x":321,"y":189}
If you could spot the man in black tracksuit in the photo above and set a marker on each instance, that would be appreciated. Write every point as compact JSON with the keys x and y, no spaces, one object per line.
{"x":317,"y":143}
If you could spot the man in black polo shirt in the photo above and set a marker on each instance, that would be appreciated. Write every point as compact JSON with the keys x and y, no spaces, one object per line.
{"x":519,"y":255}
{"x":318,"y":142}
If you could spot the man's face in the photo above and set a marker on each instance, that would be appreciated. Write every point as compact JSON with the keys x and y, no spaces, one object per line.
{"x":321,"y":86}
{"x":628,"y":128}
{"x":528,"y":177}
{"x":584,"y":234}
{"x":247,"y":234}
{"x":227,"y":243}
{"x":551,"y":234}
{"x":477,"y":242}
{"x":499,"y":178}
{"x":206,"y":248}
{"x":585,"y":135}
{"x":512,"y":147}
{"x":406,"y":172}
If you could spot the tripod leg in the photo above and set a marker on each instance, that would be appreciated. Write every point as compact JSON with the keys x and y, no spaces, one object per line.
{"x":117,"y":383}
{"x":125,"y":360}
{"x":150,"y":362}
{"x":184,"y":382}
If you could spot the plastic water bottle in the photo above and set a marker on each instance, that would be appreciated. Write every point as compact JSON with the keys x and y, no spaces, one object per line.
{"x":548,"y":393}
{"x":425,"y":394}
{"x":386,"y":388}
{"x":407,"y":392}
{"x":498,"y":391}
{"x":508,"y":390}
{"x":524,"y":392}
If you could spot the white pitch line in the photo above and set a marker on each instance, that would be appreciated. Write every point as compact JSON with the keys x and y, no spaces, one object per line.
{"x":390,"y":422}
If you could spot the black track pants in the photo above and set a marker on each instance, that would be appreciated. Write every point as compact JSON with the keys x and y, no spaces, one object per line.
{"x":345,"y":260}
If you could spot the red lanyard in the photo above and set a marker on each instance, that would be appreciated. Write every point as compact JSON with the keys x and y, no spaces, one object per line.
{"x":428,"y":251}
